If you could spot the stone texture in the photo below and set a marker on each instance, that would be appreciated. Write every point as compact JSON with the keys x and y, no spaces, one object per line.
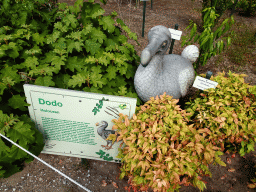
{"x":159,"y":73}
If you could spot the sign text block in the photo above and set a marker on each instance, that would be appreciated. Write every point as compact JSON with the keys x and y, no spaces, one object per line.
{"x":76,"y":123}
{"x":203,"y":83}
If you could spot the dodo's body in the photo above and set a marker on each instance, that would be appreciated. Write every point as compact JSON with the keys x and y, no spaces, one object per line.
{"x":159,"y":73}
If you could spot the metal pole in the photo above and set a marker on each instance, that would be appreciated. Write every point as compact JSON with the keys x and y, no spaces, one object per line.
{"x":208,"y":76}
{"x":83,"y":161}
{"x":176,"y":27}
{"x":151,"y":4}
{"x":233,"y":8}
{"x":143,"y":24}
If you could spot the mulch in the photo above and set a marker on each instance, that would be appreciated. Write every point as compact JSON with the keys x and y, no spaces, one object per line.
{"x":234,"y":177}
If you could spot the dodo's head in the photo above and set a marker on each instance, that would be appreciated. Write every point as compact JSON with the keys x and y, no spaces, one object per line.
{"x":102,"y":123}
{"x":159,"y":40}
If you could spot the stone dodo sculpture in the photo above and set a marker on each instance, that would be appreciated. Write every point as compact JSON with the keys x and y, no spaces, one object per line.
{"x":159,"y":73}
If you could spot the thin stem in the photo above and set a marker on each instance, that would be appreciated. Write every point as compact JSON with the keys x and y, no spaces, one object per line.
{"x":130,"y":12}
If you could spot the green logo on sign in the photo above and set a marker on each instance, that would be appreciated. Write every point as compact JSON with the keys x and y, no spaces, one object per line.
{"x":53,"y":103}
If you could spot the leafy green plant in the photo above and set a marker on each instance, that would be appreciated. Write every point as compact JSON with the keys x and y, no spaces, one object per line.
{"x":229,"y":111}
{"x":248,"y":7}
{"x":22,"y":131}
{"x":51,"y":47}
{"x":19,"y":129}
{"x":209,"y":46}
{"x":160,"y":150}
{"x":220,"y":7}
{"x":88,"y":54}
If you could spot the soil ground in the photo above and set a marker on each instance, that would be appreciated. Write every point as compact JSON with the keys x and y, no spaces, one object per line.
{"x":104,"y":176}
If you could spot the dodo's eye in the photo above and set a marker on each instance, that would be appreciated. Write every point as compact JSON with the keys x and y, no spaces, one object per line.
{"x":164,"y":45}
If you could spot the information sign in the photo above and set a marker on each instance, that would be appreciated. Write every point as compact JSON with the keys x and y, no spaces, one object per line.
{"x":176,"y":34}
{"x":70,"y":120}
{"x":203,"y":83}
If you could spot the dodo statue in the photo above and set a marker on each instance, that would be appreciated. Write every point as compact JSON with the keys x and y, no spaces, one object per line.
{"x":159,"y":73}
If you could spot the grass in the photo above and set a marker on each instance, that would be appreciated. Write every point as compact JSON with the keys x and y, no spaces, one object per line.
{"x":219,"y":60}
{"x":243,"y":44}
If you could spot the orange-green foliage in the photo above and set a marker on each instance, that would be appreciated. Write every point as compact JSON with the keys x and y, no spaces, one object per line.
{"x":229,"y":111}
{"x":165,"y":146}
{"x":161,"y":150}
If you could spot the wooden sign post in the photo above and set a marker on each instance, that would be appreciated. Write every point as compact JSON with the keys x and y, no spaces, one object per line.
{"x":76,"y":123}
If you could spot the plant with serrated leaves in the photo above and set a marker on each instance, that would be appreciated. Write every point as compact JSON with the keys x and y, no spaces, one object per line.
{"x":49,"y":46}
{"x":22,"y":131}
{"x":89,"y":54}
{"x":19,"y":129}
{"x":229,"y":111}
{"x":207,"y":40}
{"x":160,"y":150}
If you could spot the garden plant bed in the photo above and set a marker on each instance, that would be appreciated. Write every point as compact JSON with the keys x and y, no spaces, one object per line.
{"x":104,"y":176}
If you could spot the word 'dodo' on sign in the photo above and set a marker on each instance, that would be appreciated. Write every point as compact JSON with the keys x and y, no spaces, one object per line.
{"x":53,"y":103}
{"x":75,"y":123}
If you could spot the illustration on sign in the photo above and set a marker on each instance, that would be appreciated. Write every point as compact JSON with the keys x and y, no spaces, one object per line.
{"x":77,"y":123}
{"x":101,"y":130}
{"x":99,"y":106}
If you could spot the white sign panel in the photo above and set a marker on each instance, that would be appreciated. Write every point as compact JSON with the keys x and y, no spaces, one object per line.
{"x":176,"y":34}
{"x":76,"y":123}
{"x":203,"y":83}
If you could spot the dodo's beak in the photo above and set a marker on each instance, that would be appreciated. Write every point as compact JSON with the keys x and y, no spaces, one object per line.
{"x":145,"y":57}
{"x":148,"y":53}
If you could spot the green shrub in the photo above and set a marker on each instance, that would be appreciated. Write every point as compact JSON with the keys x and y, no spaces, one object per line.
{"x":207,"y":40}
{"x":248,"y":7}
{"x":89,"y":54}
{"x":229,"y":111}
{"x":50,"y":47}
{"x":22,"y":131}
